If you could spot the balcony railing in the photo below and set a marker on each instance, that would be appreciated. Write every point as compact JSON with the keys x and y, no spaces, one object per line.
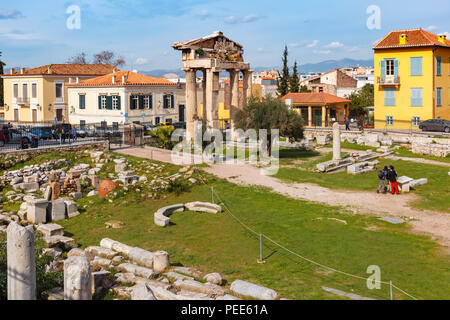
{"x":23,"y":101}
{"x":388,"y":80}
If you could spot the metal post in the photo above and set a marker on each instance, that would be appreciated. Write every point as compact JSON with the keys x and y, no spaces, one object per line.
{"x":151,"y":154}
{"x":390,"y":289}
{"x":212,"y":194}
{"x":260,"y":247}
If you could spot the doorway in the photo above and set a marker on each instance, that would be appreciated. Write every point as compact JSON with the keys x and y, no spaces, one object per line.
{"x":16,"y":114}
{"x":318,"y":117}
{"x":59,"y":115}
{"x":34,"y":115}
{"x":181,"y":113}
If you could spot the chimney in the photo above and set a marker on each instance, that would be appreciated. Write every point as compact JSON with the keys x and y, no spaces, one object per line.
{"x":403,"y":38}
{"x":442,"y":38}
{"x":49,"y":69}
{"x":22,"y":70}
{"x":124,"y":78}
{"x":113,"y":79}
{"x":12,"y":71}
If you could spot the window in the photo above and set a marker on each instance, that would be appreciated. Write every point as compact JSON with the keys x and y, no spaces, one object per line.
{"x":16,"y":90}
{"x":134,"y":102}
{"x":82,"y":101}
{"x":389,"y":120}
{"x":102,"y":102}
{"x":438,"y":66}
{"x":168,"y":101}
{"x":390,"y":67}
{"x":416,"y":66}
{"x":82,"y":124}
{"x":389,"y":97}
{"x":415,"y":121}
{"x":34,"y":90}
{"x":58,"y":90}
{"x":148,"y":102}
{"x":169,"y":120}
{"x":416,"y":97}
{"x":157,"y":120}
{"x":116,"y":102}
{"x":25,"y":91}
{"x":439,"y":96}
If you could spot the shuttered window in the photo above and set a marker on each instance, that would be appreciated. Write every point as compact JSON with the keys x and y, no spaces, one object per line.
{"x":82,"y":102}
{"x":169,"y":101}
{"x":438,"y":66}
{"x":116,"y":102}
{"x":416,"y":66}
{"x":389,"y":96}
{"x":439,"y":96}
{"x":416,"y":97}
{"x":102,"y":102}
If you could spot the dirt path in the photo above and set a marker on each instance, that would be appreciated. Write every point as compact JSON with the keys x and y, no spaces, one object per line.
{"x":434,"y":223}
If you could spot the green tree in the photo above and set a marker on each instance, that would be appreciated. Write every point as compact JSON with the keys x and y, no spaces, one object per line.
{"x":361,"y":99}
{"x":294,"y":80}
{"x":269,"y":113}
{"x":163,"y":136}
{"x":2,"y":64}
{"x":283,"y":78}
{"x":304,"y":89}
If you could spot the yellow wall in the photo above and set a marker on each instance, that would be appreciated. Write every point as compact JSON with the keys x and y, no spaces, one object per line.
{"x":443,"y":82}
{"x":403,"y":111}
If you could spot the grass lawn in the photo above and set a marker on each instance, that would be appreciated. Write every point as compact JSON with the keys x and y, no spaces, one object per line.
{"x":435,"y":195}
{"x":217,"y":243}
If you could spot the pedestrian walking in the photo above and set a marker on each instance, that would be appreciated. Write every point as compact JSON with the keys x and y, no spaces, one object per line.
{"x":347,"y":125}
{"x":74,"y":134}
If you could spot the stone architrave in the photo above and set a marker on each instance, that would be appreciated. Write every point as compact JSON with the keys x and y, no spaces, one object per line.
{"x":37,"y":211}
{"x":160,"y":261}
{"x":336,"y":142}
{"x":21,"y":262}
{"x":77,"y":279}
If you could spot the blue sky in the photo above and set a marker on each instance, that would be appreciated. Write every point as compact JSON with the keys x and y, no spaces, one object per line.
{"x":34,"y":33}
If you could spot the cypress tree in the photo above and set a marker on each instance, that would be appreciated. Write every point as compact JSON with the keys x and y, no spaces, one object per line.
{"x":2,"y":101}
{"x":283,"y":78}
{"x":294,"y":81}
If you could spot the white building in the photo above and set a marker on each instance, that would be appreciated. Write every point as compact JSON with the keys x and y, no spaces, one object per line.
{"x":126,"y":97}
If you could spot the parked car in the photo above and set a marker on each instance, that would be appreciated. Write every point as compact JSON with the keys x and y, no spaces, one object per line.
{"x":150,"y":127}
{"x":56,"y":129}
{"x":83,"y":133}
{"x":21,"y":136}
{"x":102,"y":132}
{"x":435,"y":125}
{"x":179,"y":125}
{"x":42,"y":132}
{"x":2,"y":139}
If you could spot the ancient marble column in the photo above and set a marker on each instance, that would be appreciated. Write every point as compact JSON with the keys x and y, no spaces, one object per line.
{"x":77,"y":279}
{"x":160,"y":261}
{"x":309,"y":116}
{"x":324,"y":114}
{"x":336,"y":142}
{"x":234,"y":88}
{"x":212,"y":99}
{"x":191,"y":103}
{"x":247,"y":86}
{"x":21,"y":264}
{"x":204,"y":113}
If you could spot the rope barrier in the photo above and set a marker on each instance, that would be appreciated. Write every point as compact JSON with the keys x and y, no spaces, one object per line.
{"x":292,"y":252}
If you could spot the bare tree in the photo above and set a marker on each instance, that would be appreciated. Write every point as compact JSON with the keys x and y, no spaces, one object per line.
{"x":78,"y":59}
{"x":109,"y":57}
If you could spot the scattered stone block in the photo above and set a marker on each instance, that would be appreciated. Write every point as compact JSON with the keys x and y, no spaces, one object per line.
{"x":76,"y":195}
{"x":203,"y":207}
{"x":116,"y":246}
{"x":48,"y":193}
{"x":77,"y":279}
{"x":99,"y":281}
{"x":56,"y":210}
{"x":137,"y":270}
{"x":37,"y":211}
{"x":176,"y":276}
{"x":419,"y":182}
{"x":77,"y":252}
{"x":53,"y":241}
{"x":160,"y":261}
{"x":214,"y":278}
{"x":141,"y":257}
{"x":93,"y":193}
{"x":127,"y":277}
{"x":51,"y":229}
{"x":100,"y":262}
{"x":392,"y":220}
{"x":161,"y":217}
{"x":71,"y":208}
{"x":142,"y":291}
{"x":247,"y":289}
{"x":101,"y":252}
{"x":209,"y":289}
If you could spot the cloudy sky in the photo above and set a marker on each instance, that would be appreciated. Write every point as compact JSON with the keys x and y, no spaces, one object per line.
{"x":34,"y":33}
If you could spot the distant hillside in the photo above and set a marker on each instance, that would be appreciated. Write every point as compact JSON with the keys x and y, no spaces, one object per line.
{"x":323,"y":66}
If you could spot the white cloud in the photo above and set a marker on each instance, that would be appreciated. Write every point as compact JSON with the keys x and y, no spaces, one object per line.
{"x":141,"y":61}
{"x":322,"y":51}
{"x":313,"y":44}
{"x":10,"y":14}
{"x":247,"y":19}
{"x":260,"y":49}
{"x":18,"y":35}
{"x":250,"y":18}
{"x":231,"y":19}
{"x":431,"y":28}
{"x":334,"y":45}
{"x":203,"y":14}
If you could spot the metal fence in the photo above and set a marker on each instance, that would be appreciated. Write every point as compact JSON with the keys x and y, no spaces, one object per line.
{"x":23,"y":135}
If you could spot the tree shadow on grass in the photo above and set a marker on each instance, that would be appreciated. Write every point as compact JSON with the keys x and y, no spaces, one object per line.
{"x":297,"y":154}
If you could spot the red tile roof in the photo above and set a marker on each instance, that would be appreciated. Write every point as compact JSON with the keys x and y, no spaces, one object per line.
{"x":415,"y":38}
{"x":321,"y":98}
{"x":131,"y":79}
{"x":67,"y":70}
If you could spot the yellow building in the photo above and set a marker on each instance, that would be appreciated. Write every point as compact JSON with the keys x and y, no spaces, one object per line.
{"x":413,"y":79}
{"x":40,"y":94}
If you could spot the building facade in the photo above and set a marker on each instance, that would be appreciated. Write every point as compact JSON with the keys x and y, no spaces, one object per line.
{"x":318,"y":109}
{"x":412,"y":79}
{"x":335,"y":82}
{"x":40,"y":94}
{"x":126,"y":97}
